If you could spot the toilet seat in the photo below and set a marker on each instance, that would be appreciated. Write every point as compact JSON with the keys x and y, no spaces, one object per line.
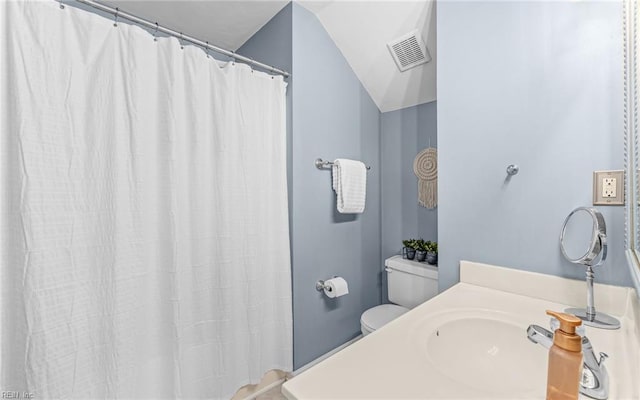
{"x":376,"y":317}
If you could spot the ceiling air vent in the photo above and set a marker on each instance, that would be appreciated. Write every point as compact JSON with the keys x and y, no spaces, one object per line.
{"x":409,"y":51}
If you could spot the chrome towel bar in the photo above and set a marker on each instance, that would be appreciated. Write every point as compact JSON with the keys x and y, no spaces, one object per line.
{"x":321,"y":164}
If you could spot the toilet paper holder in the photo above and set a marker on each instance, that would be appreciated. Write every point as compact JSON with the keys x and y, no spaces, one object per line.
{"x":320,"y":286}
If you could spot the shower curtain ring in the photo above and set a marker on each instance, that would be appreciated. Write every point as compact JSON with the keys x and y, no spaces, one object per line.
{"x":206,"y":50}
{"x":233,"y":58}
{"x":181,"y":44}
{"x":155,"y":33}
{"x":61,"y":5}
{"x":115,"y":20}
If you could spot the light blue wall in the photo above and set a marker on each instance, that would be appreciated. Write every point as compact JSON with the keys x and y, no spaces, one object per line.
{"x":332,"y":116}
{"x":403,"y":134}
{"x":538,"y":84}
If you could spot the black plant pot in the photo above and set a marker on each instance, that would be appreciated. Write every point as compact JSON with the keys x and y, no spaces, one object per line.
{"x":432,"y":258}
{"x":409,"y":253}
{"x":421,"y":255}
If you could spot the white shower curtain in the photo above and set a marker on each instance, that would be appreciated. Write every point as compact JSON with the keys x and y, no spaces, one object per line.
{"x":144,"y":236}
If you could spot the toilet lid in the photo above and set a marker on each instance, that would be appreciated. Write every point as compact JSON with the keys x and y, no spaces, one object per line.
{"x":376,"y":317}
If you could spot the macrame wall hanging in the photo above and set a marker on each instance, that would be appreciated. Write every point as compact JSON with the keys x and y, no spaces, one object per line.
{"x":425,"y":166}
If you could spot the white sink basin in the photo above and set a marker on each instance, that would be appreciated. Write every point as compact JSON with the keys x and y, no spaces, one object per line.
{"x":470,"y":342}
{"x":484,"y":350}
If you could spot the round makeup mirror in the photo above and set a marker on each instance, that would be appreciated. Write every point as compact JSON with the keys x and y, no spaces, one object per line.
{"x":584,"y":237}
{"x":583,"y":240}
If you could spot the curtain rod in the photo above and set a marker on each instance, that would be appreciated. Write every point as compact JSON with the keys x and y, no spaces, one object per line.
{"x":154,"y":26}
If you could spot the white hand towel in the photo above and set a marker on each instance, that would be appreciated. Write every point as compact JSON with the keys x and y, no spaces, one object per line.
{"x":350,"y":185}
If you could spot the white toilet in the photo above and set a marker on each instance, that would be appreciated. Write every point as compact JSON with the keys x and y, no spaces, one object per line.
{"x":409,"y":283}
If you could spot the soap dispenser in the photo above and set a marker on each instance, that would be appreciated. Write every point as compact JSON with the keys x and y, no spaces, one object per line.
{"x":565,"y":359}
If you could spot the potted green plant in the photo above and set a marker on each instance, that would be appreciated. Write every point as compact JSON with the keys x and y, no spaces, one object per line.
{"x":421,"y":250}
{"x":432,"y":252}
{"x":409,"y":250}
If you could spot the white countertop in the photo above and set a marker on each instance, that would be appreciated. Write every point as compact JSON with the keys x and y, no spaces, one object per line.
{"x":392,"y":362}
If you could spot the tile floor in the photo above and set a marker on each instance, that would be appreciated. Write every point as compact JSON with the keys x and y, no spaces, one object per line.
{"x":269,"y":378}
{"x":273,"y":394}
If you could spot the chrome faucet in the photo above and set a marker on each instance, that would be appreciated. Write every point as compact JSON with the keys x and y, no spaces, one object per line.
{"x":595,"y":378}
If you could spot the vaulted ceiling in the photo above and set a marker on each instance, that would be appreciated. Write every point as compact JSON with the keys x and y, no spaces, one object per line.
{"x":360,"y":29}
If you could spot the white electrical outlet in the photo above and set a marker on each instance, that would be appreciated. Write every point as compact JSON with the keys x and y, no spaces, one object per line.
{"x":609,"y":187}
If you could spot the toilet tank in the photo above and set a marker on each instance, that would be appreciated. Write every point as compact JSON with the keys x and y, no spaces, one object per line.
{"x":410,"y":283}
